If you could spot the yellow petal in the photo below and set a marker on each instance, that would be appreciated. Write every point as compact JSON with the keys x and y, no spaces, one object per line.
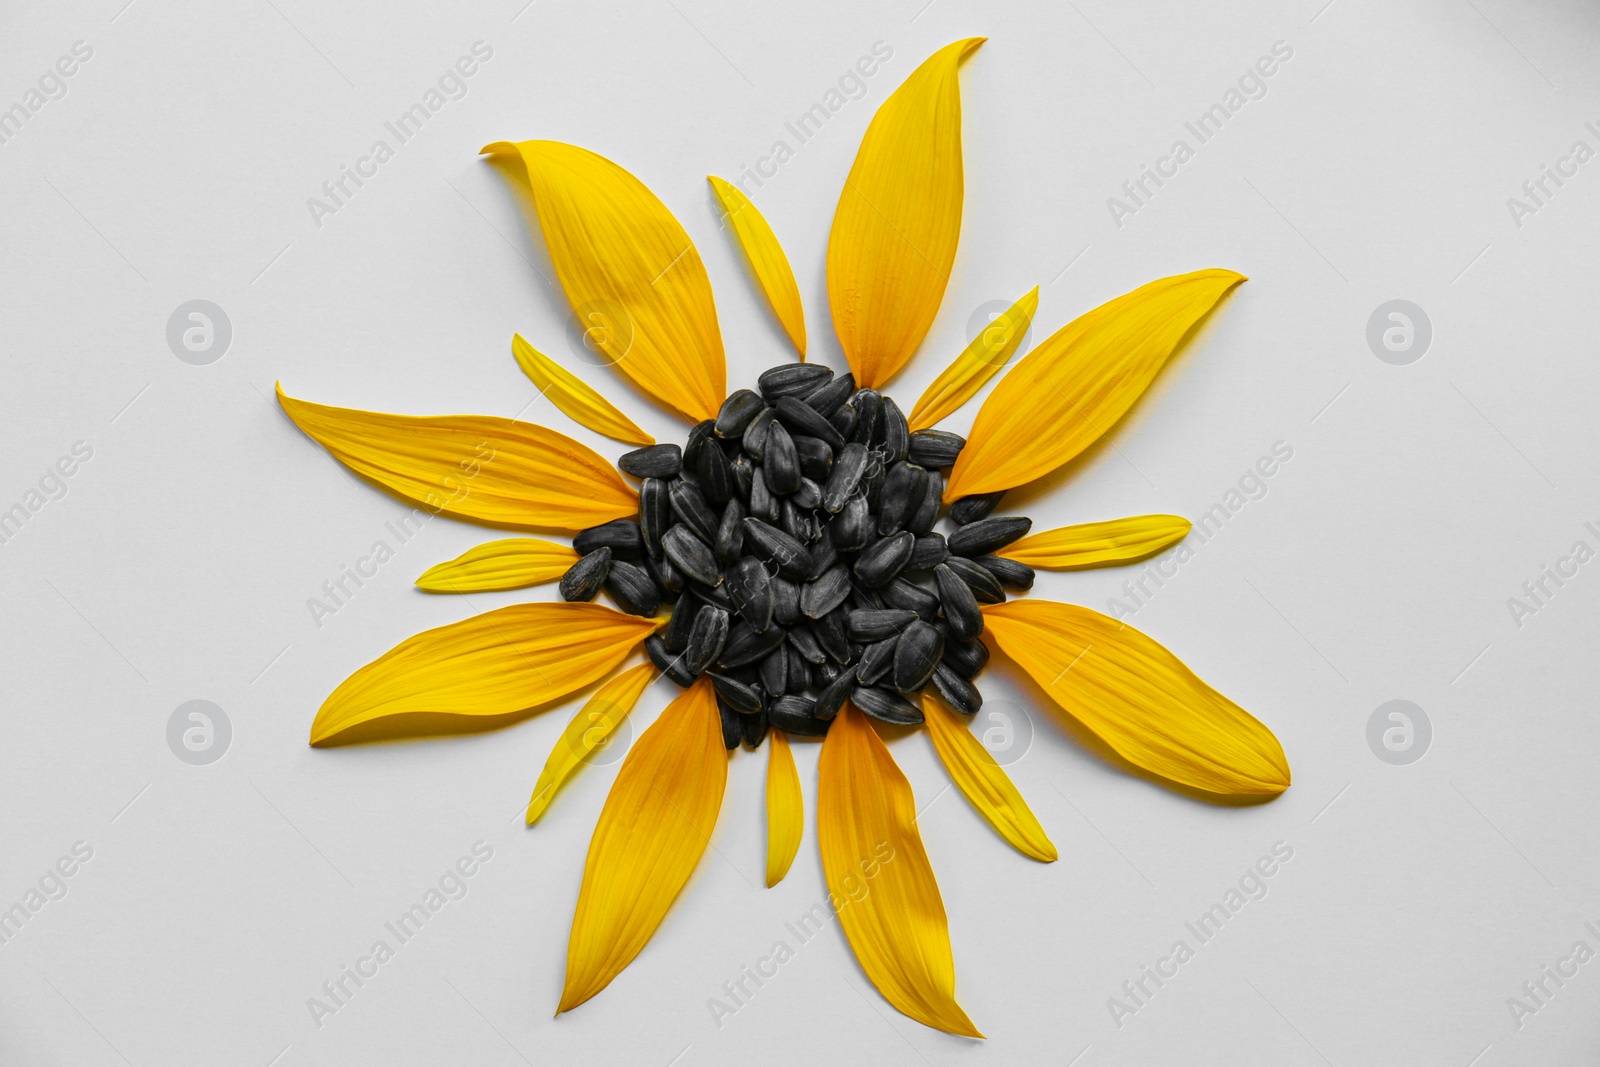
{"x":786,"y":818}
{"x":510,"y":563}
{"x":1075,"y":385}
{"x":988,"y":352}
{"x":1139,"y":698}
{"x":581,"y":403}
{"x":652,"y":831}
{"x":587,"y":731}
{"x":474,"y":467}
{"x":986,"y":784}
{"x":630,"y":272}
{"x":898,"y":220}
{"x":768,"y":265}
{"x":480,"y":672}
{"x":1092,"y":544}
{"x":879,"y":877}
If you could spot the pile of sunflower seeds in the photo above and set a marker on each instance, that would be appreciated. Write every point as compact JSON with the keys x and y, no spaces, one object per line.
{"x":794,"y":536}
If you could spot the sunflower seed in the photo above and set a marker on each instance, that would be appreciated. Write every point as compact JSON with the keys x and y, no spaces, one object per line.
{"x":751,"y":592}
{"x":775,"y":673}
{"x":816,"y":458}
{"x":745,"y":645}
{"x":960,"y":606}
{"x":691,"y":555}
{"x":901,"y":593}
{"x":1011,"y":574}
{"x":956,"y":690}
{"x":668,"y":579}
{"x":696,"y":440}
{"x":585,"y":577}
{"x":792,"y":379}
{"x":802,"y":418}
{"x":737,"y":411}
{"x":886,"y":706}
{"x":716,"y":473}
{"x":620,"y":535}
{"x":869,"y":417}
{"x":984,"y":536}
{"x":763,"y":505}
{"x":823,"y":555}
{"x":876,"y":660}
{"x":714,"y":594}
{"x":655,"y":514}
{"x":879,"y":625}
{"x":732,"y":732}
{"x":754,"y":441}
{"x":985,"y":586}
{"x":676,"y":635}
{"x":927,"y":552}
{"x":833,"y":695}
{"x":804,"y":642}
{"x":785,"y":600}
{"x":706,"y":639}
{"x":808,"y":496}
{"x":833,"y":634}
{"x":730,"y":532}
{"x":753,"y":728}
{"x":799,"y":670}
{"x":794,"y":522}
{"x":631,"y":586}
{"x":879,"y":565}
{"x":966,"y":658}
{"x":896,"y":435}
{"x":936,"y":448}
{"x":652,"y":461}
{"x":666,"y":662}
{"x":864,"y":599}
{"x":845,"y":476}
{"x":927,"y":513}
{"x":690,"y":505}
{"x":781,"y":462}
{"x":973,"y":508}
{"x":916,"y":655}
{"x":789,"y":554}
{"x":844,"y":420}
{"x":827,"y":399}
{"x":852,"y":527}
{"x":902,"y":494}
{"x":821,"y":596}
{"x":796,"y":715}
{"x":872,"y":481}
{"x":744,"y":474}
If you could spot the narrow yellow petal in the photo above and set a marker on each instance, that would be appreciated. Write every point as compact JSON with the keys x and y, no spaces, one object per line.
{"x":630,"y":272}
{"x":1139,"y":698}
{"x":652,"y":831}
{"x":985,"y":782}
{"x":898,"y":220}
{"x":1075,"y":385}
{"x":995,"y":344}
{"x":587,"y":731}
{"x":768,"y":265}
{"x":786,"y":817}
{"x":879,"y":877}
{"x":510,"y":563}
{"x":475,"y":467}
{"x":1092,"y":544}
{"x":573,"y":396}
{"x":479,"y":672}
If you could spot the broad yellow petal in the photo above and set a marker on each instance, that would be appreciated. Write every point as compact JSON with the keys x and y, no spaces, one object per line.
{"x":588,"y":730}
{"x":786,"y":817}
{"x":480,"y":671}
{"x":985,"y":782}
{"x":879,"y":876}
{"x":995,"y":344}
{"x":1092,"y":544}
{"x":1139,"y":698}
{"x":898,"y":220}
{"x":510,"y":563}
{"x":1075,"y":385}
{"x":768,"y":265}
{"x":581,"y":404}
{"x":652,"y":831}
{"x":474,"y":467}
{"x":630,"y":272}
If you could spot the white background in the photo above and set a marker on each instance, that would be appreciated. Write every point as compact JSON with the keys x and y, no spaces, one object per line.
{"x":1378,"y":566}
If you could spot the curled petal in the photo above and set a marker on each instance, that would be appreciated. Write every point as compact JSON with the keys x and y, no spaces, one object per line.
{"x":654,"y":827}
{"x":480,"y":671}
{"x":581,"y":403}
{"x":1075,"y":385}
{"x":510,"y":563}
{"x":768,"y":265}
{"x":634,"y":280}
{"x":866,"y":826}
{"x":474,"y":467}
{"x":974,"y":771}
{"x":588,"y":730}
{"x":786,"y":817}
{"x":1092,"y":544}
{"x":898,"y":220}
{"x":995,"y":344}
{"x":1139,"y":698}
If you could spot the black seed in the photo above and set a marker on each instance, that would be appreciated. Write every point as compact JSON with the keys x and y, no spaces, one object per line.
{"x":886,"y":706}
{"x":927,"y":513}
{"x":876,"y":660}
{"x":802,"y":418}
{"x":902,"y":494}
{"x":732,"y":732}
{"x":631,"y":586}
{"x":730,"y":532}
{"x":823,"y":555}
{"x":744,"y":474}
{"x":751,"y":592}
{"x":821,"y":596}
{"x":869,"y":417}
{"x":668,"y":579}
{"x":916,"y":655}
{"x":845,"y":476}
{"x":696,"y":440}
{"x":737,"y":412}
{"x":1011,"y":574}
{"x":714,"y":594}
{"x":789,"y":554}
{"x":936,"y":448}
{"x":833,"y":695}
{"x":781,"y":462}
{"x":805,"y":642}
{"x":872,"y":481}
{"x":896,"y":435}
{"x":754,"y":441}
{"x":785,"y":600}
{"x":984,"y":536}
{"x":808,"y":496}
{"x":753,"y":728}
{"x":973,"y":508}
{"x":844,"y":420}
{"x":927,"y":553}
{"x":956,"y":690}
{"x":745,"y":645}
{"x":706,"y":639}
{"x":793,"y":379}
{"x":985,"y":586}
{"x":794,"y":522}
{"x":763,"y":505}
{"x":960,"y":606}
{"x":620,"y":535}
{"x":903,"y":594}
{"x":775,"y":673}
{"x":585,"y":577}
{"x":676,"y":635}
{"x":652,"y":461}
{"x":691,"y":555}
{"x":864,"y":599}
{"x":666,"y":662}
{"x":796,"y":715}
{"x":690,"y":505}
{"x":799,"y":671}
{"x":833,"y":634}
{"x":966,"y":658}
{"x":716,"y":474}
{"x":878,"y":625}
{"x":829,"y":398}
{"x":816,"y":458}
{"x":655,"y":514}
{"x":883,"y":562}
{"x":852,"y":527}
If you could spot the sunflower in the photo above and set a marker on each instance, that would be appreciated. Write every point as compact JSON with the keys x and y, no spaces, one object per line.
{"x":791,"y":540}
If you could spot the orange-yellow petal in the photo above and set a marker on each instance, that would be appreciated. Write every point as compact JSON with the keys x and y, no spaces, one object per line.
{"x":474,"y":467}
{"x":575,"y":397}
{"x":652,"y":831}
{"x":786,"y":818}
{"x":480,"y":672}
{"x":1139,"y":698}
{"x":879,"y":877}
{"x":1093,"y":544}
{"x":630,"y":272}
{"x":588,"y":730}
{"x":768,"y":265}
{"x":995,"y":344}
{"x":1075,"y":385}
{"x":898,"y":220}
{"x":985,"y":782}
{"x":509,"y":563}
